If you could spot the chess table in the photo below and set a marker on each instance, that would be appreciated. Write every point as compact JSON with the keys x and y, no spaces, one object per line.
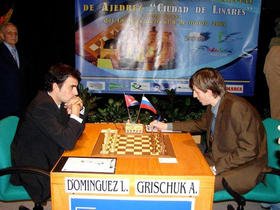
{"x":142,"y":178}
{"x":112,"y":143}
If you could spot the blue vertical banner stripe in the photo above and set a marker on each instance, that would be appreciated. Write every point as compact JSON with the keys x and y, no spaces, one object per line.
{"x":149,"y":46}
{"x":136,"y":203}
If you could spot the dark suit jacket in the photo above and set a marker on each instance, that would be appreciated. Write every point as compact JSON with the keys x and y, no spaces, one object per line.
{"x":238,"y":149}
{"x":42,"y":135}
{"x":12,"y":91}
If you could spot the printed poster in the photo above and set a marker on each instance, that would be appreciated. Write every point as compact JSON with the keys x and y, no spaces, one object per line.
{"x":149,"y":46}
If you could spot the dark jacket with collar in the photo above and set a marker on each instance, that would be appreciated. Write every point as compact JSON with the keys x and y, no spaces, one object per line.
{"x":12,"y":88}
{"x":42,"y":135}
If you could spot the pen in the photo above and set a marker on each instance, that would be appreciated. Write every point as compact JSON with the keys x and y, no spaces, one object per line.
{"x":159,"y":118}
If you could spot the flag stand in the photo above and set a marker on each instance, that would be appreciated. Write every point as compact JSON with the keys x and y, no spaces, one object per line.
{"x":139,"y":111}
{"x":129,"y":117}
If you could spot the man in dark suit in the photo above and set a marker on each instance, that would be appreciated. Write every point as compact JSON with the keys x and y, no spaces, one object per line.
{"x":12,"y":91}
{"x":52,"y":123}
{"x":236,"y":137}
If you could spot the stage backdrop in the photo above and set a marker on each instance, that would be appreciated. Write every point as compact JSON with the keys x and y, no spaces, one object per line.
{"x":148,"y":46}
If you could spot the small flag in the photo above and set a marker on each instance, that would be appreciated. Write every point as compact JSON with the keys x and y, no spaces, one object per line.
{"x":130,"y":101}
{"x":145,"y":104}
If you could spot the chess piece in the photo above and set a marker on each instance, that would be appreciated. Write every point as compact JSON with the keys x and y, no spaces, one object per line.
{"x":162,"y":148}
{"x":153,"y":143}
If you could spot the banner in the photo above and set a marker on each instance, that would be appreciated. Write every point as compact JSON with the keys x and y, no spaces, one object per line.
{"x":149,"y":46}
{"x":79,"y":202}
{"x":6,"y":11}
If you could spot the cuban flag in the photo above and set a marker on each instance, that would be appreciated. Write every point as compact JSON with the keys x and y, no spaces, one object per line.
{"x":145,"y":104}
{"x":130,"y":101}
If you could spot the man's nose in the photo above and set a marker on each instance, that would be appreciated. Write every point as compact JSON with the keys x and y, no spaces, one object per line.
{"x":75,"y":91}
{"x":194,"y":95}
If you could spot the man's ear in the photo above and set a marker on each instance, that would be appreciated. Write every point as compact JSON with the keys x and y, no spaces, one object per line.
{"x":1,"y":36}
{"x":55,"y":86}
{"x":210,"y":92}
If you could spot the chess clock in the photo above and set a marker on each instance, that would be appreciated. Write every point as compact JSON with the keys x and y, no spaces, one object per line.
{"x":133,"y":128}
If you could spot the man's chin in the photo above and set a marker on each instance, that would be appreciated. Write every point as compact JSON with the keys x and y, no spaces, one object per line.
{"x":203,"y":104}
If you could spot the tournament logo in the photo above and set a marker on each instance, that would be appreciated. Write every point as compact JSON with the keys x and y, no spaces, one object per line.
{"x":160,"y":87}
{"x":96,"y":85}
{"x":114,"y":86}
{"x":235,"y":88}
{"x":140,"y":86}
{"x":183,"y":88}
{"x":222,"y":37}
{"x":197,"y":36}
{"x":212,"y":51}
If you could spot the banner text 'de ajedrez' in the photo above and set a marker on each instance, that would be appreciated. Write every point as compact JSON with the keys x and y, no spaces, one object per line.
{"x":148,"y":46}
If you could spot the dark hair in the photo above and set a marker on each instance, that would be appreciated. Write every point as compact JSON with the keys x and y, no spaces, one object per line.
{"x":277,"y":26}
{"x":208,"y":78}
{"x":58,"y":74}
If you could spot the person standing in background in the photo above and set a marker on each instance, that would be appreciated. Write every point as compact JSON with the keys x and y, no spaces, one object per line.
{"x":12,"y":91}
{"x":272,"y":72}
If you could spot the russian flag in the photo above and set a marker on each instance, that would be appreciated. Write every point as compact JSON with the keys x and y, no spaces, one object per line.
{"x":130,"y":101}
{"x":145,"y":104}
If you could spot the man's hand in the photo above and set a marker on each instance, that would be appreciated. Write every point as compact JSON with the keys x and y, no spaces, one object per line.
{"x":158,"y":125}
{"x":74,"y":106}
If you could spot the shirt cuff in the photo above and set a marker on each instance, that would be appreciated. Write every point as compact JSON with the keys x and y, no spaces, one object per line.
{"x":169,"y":126}
{"x":80,"y":120}
{"x":82,"y":112}
{"x":213,"y":169}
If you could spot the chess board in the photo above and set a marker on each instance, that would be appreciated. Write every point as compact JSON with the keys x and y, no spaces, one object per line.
{"x":149,"y":145}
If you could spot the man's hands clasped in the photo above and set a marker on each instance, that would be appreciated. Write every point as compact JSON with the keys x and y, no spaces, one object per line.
{"x":74,"y":106}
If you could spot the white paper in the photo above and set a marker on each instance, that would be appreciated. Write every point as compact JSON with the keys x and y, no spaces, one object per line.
{"x":167,"y":160}
{"x":97,"y":165}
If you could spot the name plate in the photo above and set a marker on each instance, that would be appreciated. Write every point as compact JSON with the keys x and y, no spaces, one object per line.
{"x":167,"y":187}
{"x":96,"y":185}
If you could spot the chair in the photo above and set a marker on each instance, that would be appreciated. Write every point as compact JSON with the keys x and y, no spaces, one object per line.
{"x":9,"y":192}
{"x":268,"y":192}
